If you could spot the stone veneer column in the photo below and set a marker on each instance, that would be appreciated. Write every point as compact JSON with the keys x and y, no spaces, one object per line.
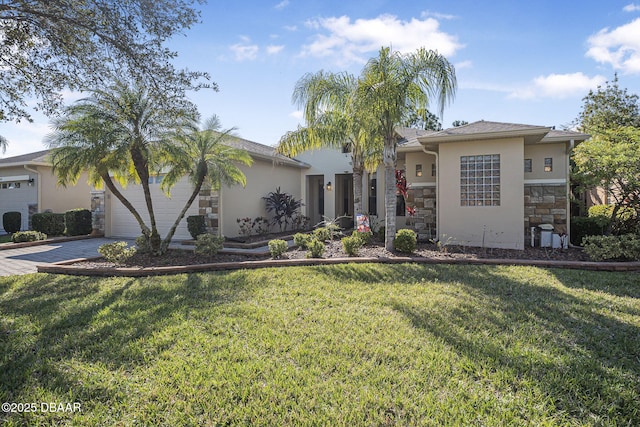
{"x":545,"y":204}
{"x":97,"y":212}
{"x":209,"y":202}
{"x":423,"y":199}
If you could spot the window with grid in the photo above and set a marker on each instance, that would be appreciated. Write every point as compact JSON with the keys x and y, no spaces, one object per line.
{"x":480,"y":180}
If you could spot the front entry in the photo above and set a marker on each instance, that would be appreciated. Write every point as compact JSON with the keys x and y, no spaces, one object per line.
{"x":315,"y":198}
{"x":344,"y":199}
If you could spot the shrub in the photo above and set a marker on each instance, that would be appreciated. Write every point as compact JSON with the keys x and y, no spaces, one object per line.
{"x":208,"y":244}
{"x":352,"y":244}
{"x":196,"y":225}
{"x":625,"y":221}
{"x":116,"y":252}
{"x":585,"y":226}
{"x":27,"y":236}
{"x":261,"y":225}
{"x":78,"y":222}
{"x":246,"y":226}
{"x":277,"y":247}
{"x":365,"y":236}
{"x":301,"y":239}
{"x":381,"y":231}
{"x":316,"y":248}
{"x":616,"y":248}
{"x":405,"y":241}
{"x":143,"y":245}
{"x":283,"y":207}
{"x":48,"y":223}
{"x":322,"y":234}
{"x":11,"y":222}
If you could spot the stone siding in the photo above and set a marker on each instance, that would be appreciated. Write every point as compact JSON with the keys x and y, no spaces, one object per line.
{"x":97,"y":212}
{"x":423,"y":199}
{"x":545,"y":204}
{"x":209,"y":203}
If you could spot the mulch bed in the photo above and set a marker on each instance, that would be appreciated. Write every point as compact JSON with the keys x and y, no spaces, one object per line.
{"x":334,"y":250}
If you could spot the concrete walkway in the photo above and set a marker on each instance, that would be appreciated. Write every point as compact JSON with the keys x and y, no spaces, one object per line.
{"x":25,"y":260}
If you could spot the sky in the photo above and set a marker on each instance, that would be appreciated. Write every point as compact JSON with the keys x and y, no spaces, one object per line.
{"x":529,"y":62}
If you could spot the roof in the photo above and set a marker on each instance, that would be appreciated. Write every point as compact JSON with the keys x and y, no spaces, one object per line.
{"x":488,"y":130}
{"x":36,"y":157}
{"x":409,"y":136}
{"x":263,"y":151}
{"x":480,"y":130}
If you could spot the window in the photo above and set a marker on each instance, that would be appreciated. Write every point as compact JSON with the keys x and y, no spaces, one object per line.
{"x":373,"y":196}
{"x":418,"y":170}
{"x":548,"y":164}
{"x":400,"y":206}
{"x":528,"y":165}
{"x":480,"y":180}
{"x":433,"y":169}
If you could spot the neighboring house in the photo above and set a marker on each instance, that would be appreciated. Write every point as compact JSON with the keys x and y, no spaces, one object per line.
{"x":220,"y":208}
{"x":28,"y":186}
{"x":481,"y":184}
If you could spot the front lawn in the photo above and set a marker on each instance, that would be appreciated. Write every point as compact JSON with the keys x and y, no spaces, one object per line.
{"x":334,"y":345}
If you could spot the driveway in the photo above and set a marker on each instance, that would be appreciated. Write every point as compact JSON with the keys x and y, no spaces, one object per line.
{"x":24,"y":260}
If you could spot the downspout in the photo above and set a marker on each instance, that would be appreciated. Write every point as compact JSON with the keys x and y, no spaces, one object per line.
{"x":435,"y":153}
{"x":572,"y":144}
{"x":39,"y":186}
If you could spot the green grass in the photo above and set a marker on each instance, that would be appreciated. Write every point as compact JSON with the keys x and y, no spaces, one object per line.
{"x":335,"y":345}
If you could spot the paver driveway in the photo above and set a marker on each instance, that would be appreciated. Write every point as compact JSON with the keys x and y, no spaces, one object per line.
{"x":25,"y":260}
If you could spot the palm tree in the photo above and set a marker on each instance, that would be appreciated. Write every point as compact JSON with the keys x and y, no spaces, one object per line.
{"x":3,"y":144}
{"x":391,"y":86}
{"x":328,"y":100}
{"x":127,"y":125}
{"x":202,"y":156}
{"x":79,"y":145}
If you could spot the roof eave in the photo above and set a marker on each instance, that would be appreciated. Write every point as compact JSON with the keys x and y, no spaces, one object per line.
{"x":539,"y":131}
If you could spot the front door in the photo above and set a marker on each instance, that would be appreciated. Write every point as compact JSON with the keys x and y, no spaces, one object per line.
{"x":344,"y":199}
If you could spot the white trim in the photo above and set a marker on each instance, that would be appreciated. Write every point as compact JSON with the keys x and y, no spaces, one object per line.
{"x":545,"y":181}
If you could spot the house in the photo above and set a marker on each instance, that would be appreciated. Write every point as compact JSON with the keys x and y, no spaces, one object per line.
{"x":28,"y":186}
{"x":482,"y":184}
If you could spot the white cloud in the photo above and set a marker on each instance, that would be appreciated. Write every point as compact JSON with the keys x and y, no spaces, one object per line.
{"x":282,"y":4}
{"x":437,"y":15}
{"x":352,"y":41}
{"x":631,"y":8}
{"x":245,"y":51}
{"x":619,"y":47}
{"x":297,"y":115}
{"x":558,"y":86}
{"x":463,"y":64}
{"x":272,"y":50}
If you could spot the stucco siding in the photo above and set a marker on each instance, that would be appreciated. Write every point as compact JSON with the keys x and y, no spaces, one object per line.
{"x":489,"y":226}
{"x":263,"y":177}
{"x":538,"y":153}
{"x":59,"y":198}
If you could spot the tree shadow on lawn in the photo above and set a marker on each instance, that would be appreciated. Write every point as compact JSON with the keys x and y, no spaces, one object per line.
{"x":575,"y":348}
{"x":53,"y":323}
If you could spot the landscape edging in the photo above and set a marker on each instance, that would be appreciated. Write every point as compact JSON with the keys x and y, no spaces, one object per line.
{"x":66,"y":267}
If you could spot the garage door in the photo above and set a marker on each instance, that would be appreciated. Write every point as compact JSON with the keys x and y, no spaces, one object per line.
{"x":17,"y":198}
{"x":124,"y":225}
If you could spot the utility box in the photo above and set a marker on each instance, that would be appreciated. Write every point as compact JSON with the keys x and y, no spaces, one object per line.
{"x":546,"y":235}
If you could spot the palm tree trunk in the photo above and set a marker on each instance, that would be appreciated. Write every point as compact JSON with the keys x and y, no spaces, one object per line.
{"x":172,"y":231}
{"x":389,"y":159}
{"x":108,"y":182}
{"x":357,"y":191}
{"x":142,"y":168}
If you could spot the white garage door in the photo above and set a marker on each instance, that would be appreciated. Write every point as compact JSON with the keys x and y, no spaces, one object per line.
{"x":17,"y":198}
{"x":166,"y":210}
